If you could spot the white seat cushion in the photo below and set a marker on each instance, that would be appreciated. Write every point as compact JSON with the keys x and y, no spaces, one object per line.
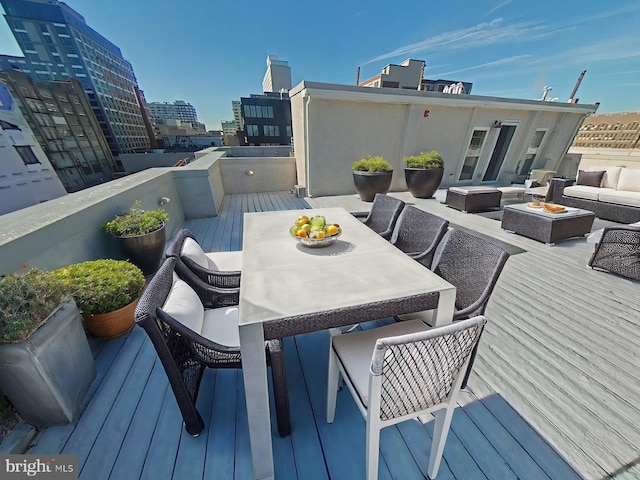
{"x":473,"y":190}
{"x":621,"y":197}
{"x":184,"y":305}
{"x":356,"y":349}
{"x":611,"y":175}
{"x":586,"y":192}
{"x":225,"y":261}
{"x":221,"y":326}
{"x":629,"y":180}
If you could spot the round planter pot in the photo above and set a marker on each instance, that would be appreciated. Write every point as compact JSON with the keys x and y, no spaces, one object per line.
{"x":423,"y":182}
{"x":111,"y":324}
{"x":368,"y":184}
{"x":145,"y":251}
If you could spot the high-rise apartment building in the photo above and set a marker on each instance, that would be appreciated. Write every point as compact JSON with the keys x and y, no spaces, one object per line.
{"x":26,"y":176}
{"x":236,"y":107}
{"x":277,"y":78}
{"x":229,"y":128}
{"x":63,"y":122}
{"x":58,"y":45}
{"x":178,"y":110}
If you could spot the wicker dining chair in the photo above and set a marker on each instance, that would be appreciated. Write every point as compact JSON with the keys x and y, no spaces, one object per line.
{"x":221,"y":269}
{"x":196,"y":328}
{"x":473,"y":265}
{"x":418,"y":234}
{"x":403,"y":371}
{"x":618,"y":251}
{"x":383,"y":215}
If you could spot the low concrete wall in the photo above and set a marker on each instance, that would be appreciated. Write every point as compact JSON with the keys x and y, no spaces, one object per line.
{"x":66,"y":230}
{"x":266,"y":151}
{"x":137,"y":162}
{"x":253,"y":175}
{"x":200,"y":185}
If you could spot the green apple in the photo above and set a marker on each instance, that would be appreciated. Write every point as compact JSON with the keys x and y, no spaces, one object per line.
{"x":318,"y":221}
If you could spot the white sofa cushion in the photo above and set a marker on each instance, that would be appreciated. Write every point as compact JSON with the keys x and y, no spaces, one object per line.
{"x":184,"y":305}
{"x":629,"y":180}
{"x":583,"y":191}
{"x":611,"y":175}
{"x":621,"y":197}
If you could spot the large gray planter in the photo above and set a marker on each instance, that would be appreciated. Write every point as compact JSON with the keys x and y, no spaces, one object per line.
{"x":369,"y":183}
{"x":423,"y":182}
{"x":145,"y":251}
{"x":47,"y":375}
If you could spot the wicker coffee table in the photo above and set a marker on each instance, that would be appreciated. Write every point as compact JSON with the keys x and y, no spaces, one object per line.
{"x":546,"y":227}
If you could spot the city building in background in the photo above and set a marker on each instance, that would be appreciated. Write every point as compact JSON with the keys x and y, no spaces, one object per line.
{"x":267,"y":119}
{"x":179,"y":135}
{"x":229,"y":127}
{"x":609,"y":130}
{"x":236,"y":107}
{"x":277,"y":78}
{"x":57,"y":44}
{"x":26,"y":176}
{"x":409,"y":75}
{"x":62,"y":120}
{"x":178,"y":110}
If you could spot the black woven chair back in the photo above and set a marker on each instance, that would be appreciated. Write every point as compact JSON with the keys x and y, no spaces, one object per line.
{"x":384,"y":214}
{"x":418,"y":233}
{"x":473,"y":266}
{"x":618,"y":251}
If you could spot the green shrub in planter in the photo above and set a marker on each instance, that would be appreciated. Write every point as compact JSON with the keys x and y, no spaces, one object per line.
{"x":136,"y":222}
{"x":430,"y":159}
{"x":26,"y":300}
{"x":101,"y":286}
{"x":371,"y":164}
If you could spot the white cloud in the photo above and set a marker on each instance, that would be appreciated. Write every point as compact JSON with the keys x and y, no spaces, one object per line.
{"x":502,"y":61}
{"x":481,"y":35}
{"x":497,"y":7}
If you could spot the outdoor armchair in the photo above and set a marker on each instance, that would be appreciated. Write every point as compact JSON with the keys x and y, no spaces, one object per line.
{"x":418,"y":234}
{"x":618,"y":251}
{"x":402,"y":371}
{"x":383,"y":215}
{"x":189,"y":337}
{"x":221,"y":269}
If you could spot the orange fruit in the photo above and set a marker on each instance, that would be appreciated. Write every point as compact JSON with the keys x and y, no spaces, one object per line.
{"x":320,"y":234}
{"x":301,"y":233}
{"x":332,"y":230}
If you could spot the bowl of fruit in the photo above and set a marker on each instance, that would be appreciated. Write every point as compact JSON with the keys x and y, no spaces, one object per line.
{"x":315,"y":231}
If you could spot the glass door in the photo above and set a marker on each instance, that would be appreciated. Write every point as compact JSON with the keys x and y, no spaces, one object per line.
{"x":499,"y":152}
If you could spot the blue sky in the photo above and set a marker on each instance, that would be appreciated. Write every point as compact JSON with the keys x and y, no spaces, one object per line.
{"x":210,"y":53}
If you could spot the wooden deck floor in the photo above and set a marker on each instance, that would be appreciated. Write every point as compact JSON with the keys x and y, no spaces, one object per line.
{"x":554,"y":393}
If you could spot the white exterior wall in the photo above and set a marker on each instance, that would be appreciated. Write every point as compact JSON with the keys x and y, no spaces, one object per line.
{"x":334,"y":125}
{"x":22,"y":185}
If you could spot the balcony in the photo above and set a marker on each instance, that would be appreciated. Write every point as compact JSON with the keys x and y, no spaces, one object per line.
{"x":553,"y":394}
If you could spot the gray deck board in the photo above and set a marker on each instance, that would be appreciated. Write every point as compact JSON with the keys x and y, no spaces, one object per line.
{"x":554,"y":392}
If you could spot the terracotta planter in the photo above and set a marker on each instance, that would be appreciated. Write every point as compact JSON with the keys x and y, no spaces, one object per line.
{"x":47,"y":375}
{"x":145,"y":251}
{"x":111,"y":324}
{"x":423,"y":182}
{"x":368,"y":184}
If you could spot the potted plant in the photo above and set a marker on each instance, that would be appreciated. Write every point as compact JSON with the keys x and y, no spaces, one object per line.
{"x":46,"y":365}
{"x":423,"y":173}
{"x":142,"y":235}
{"x":106,"y":292}
{"x":371,"y":175}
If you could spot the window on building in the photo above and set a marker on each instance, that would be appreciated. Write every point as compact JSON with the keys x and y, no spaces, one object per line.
{"x":288,"y":128}
{"x":27,"y":155}
{"x":8,"y":126}
{"x":473,"y":154}
{"x":253,"y":131}
{"x":271,"y":130}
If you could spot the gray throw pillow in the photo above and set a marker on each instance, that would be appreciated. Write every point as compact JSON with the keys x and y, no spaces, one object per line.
{"x":590,"y":178}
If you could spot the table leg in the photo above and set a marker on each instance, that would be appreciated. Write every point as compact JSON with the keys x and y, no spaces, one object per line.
{"x":446,"y":307}
{"x":254,"y":370}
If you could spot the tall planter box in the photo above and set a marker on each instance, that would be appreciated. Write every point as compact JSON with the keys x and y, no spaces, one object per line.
{"x":145,"y":251}
{"x":369,"y":183}
{"x":423,"y":182}
{"x":47,"y":375}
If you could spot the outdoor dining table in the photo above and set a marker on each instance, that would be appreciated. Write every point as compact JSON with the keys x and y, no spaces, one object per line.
{"x":288,"y":288}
